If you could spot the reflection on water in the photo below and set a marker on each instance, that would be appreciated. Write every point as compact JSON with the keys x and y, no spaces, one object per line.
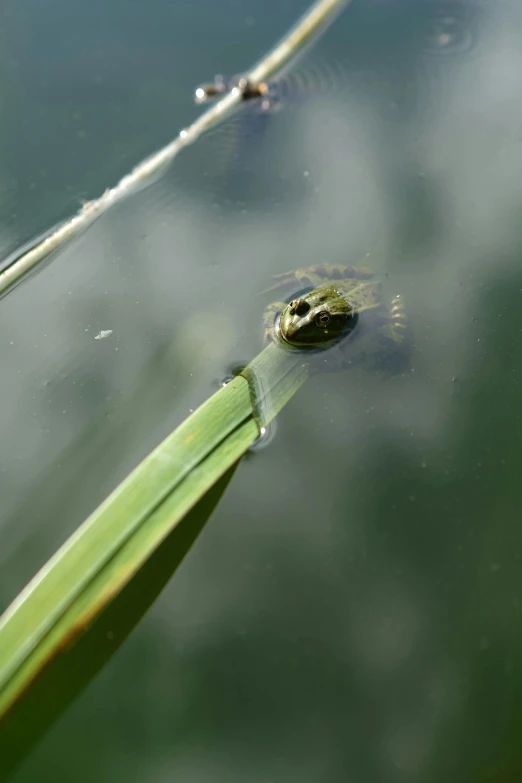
{"x":448,"y":33}
{"x":352,"y":610}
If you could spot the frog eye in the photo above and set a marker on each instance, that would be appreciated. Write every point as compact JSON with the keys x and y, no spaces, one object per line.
{"x":322,"y":319}
{"x":299,"y":307}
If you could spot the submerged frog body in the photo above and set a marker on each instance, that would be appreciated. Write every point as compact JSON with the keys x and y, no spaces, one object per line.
{"x":339,"y":315}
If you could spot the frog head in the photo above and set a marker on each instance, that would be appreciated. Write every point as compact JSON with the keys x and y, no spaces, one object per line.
{"x":317,"y":318}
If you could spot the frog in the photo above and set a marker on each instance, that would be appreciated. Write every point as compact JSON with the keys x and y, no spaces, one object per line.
{"x":339,"y":318}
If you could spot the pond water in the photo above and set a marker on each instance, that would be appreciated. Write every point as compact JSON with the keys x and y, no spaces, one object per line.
{"x":352,"y":609}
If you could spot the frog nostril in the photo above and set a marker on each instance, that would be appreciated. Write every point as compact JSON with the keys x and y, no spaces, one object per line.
{"x":301,"y":307}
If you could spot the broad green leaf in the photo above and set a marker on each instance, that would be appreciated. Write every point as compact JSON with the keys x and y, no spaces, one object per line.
{"x":72,"y":604}
{"x":65,"y":673}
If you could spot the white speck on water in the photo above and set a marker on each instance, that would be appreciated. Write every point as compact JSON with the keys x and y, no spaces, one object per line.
{"x":306,"y":173}
{"x":103,"y":334}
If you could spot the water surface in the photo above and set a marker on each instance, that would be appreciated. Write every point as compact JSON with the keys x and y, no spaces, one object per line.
{"x":352,"y":609}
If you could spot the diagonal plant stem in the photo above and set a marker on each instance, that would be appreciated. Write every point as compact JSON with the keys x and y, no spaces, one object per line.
{"x":112,"y":545}
{"x":319,"y":15}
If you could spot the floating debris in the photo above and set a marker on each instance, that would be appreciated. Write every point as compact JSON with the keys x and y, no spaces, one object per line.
{"x":449,"y":30}
{"x":207,"y":92}
{"x":103,"y":334}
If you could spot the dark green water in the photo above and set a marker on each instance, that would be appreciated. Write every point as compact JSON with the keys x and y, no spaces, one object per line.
{"x":353,"y":609}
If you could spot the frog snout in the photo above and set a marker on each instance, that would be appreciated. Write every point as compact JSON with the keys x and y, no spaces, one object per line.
{"x":290,"y":325}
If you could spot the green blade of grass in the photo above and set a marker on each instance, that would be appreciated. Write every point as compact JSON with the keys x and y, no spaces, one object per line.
{"x":112,"y":577}
{"x":32,"y":615}
{"x":60,"y":608}
{"x":69,"y":669}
